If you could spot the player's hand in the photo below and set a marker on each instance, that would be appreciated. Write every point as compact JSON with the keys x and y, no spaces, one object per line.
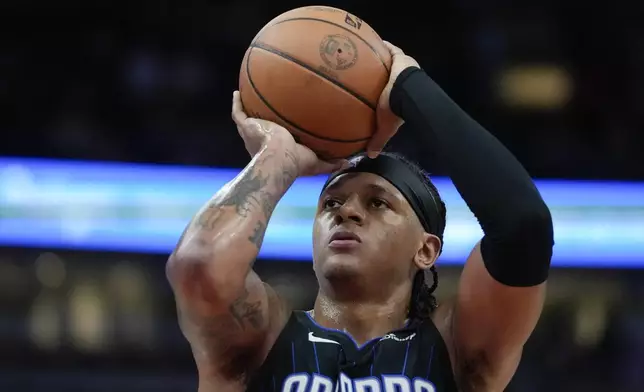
{"x":388,"y":122}
{"x":258,"y":134}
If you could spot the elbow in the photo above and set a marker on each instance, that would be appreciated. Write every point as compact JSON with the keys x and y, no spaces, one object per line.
{"x":201,"y":273}
{"x":517,"y":249}
{"x":184,"y":270}
{"x":526,"y":229}
{"x":535,"y":225}
{"x":520,"y":254}
{"x":183,"y":260}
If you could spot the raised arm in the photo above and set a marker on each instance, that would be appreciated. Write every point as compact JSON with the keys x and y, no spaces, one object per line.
{"x":502,"y":287}
{"x":229,"y":316}
{"x":225,"y":309}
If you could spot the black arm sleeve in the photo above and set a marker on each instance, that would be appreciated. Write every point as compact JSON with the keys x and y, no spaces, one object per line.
{"x":518,"y":241}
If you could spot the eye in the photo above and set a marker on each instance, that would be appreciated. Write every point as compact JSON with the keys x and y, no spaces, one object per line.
{"x":379,"y":203}
{"x":330,"y":204}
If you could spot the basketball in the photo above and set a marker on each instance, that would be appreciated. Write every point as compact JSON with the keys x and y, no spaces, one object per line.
{"x":317,"y":71}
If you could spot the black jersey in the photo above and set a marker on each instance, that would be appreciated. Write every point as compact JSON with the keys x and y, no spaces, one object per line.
{"x":310,"y":358}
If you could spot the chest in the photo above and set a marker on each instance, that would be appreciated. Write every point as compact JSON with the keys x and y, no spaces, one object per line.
{"x":320,"y":362}
{"x":332,"y":355}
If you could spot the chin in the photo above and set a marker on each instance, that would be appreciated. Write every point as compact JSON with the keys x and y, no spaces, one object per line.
{"x":341,"y":266}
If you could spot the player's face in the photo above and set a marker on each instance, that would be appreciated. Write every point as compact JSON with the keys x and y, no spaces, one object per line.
{"x":364,"y":226}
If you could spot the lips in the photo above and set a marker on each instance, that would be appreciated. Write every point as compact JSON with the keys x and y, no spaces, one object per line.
{"x":343,"y":235}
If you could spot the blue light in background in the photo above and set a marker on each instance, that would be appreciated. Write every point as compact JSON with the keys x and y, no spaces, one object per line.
{"x":597,"y":224}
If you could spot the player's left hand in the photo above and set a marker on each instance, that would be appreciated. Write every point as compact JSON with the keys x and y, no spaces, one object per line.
{"x":388,"y":122}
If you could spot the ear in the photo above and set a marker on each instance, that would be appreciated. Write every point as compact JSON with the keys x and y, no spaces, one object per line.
{"x":428,"y":251}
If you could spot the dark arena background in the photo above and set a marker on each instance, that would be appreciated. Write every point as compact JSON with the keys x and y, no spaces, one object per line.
{"x":117,"y":128}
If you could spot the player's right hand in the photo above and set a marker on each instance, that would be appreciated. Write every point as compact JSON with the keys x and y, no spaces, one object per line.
{"x":258,"y":134}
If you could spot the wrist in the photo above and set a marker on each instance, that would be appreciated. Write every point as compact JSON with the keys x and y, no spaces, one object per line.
{"x":395,"y":97}
{"x":278,"y":162}
{"x":276,"y":142}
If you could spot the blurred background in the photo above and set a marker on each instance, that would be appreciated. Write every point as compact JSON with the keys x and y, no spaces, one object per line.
{"x":84,"y":302}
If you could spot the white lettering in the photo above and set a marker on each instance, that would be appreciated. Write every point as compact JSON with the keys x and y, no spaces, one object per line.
{"x":302,"y":382}
{"x":421,"y":385}
{"x":321,"y":383}
{"x":370,"y":384}
{"x":345,"y":383}
{"x":396,"y":384}
{"x":391,"y":336}
{"x":296,"y":383}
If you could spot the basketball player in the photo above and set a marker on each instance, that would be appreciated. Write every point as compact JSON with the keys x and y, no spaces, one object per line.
{"x":377,"y":233}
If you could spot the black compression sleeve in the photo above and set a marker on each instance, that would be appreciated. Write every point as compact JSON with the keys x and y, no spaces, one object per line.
{"x":518,"y":240}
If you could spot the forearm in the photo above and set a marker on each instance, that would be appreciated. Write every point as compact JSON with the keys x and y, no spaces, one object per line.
{"x":228,"y":231}
{"x":498,"y":190}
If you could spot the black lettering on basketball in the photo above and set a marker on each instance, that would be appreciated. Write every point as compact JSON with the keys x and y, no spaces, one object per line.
{"x":253,"y":114}
{"x":323,"y":8}
{"x":353,"y":21}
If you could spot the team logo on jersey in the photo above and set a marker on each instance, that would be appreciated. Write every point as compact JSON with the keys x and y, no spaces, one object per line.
{"x":391,"y":336}
{"x":353,"y":162}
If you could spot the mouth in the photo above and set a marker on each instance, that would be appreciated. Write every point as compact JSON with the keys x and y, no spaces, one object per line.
{"x":344,"y":239}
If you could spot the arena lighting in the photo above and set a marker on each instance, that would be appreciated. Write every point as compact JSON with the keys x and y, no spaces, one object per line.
{"x":535,"y":86}
{"x":144,"y":208}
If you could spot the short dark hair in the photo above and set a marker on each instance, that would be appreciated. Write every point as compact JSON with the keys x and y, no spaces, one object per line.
{"x":423,"y":302}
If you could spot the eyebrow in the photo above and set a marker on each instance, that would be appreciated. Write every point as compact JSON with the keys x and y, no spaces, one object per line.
{"x":373,"y":187}
{"x":380,"y":189}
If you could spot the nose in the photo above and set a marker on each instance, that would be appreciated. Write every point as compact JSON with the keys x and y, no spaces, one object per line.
{"x":350,"y":210}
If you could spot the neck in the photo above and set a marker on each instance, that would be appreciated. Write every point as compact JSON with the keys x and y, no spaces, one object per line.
{"x":363,"y":320}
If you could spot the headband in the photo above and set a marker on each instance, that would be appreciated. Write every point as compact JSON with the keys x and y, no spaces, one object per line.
{"x":399,"y":174}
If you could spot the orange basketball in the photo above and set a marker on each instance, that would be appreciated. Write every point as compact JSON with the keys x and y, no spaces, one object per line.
{"x":318,"y":71}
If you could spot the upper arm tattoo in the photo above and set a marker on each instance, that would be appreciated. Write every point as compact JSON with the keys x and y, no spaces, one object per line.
{"x":247,"y":313}
{"x":232,"y":328}
{"x":235,"y":329}
{"x":231,"y":334}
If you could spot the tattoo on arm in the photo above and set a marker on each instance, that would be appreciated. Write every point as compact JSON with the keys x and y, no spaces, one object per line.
{"x":289,"y":171}
{"x":245,"y":192}
{"x":247,"y":313}
{"x":258,"y":234}
{"x":268,"y":203}
{"x":243,"y":314}
{"x":252,"y":189}
{"x":208,"y":219}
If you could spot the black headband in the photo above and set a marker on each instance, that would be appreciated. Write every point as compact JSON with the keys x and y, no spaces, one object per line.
{"x":399,"y":174}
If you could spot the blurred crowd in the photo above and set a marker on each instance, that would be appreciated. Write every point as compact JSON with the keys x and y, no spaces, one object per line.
{"x":561,"y":85}
{"x":81,"y":322}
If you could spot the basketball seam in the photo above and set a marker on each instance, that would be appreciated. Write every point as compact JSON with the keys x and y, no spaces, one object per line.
{"x":269,"y":48}
{"x":343,"y":28}
{"x":286,"y":120}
